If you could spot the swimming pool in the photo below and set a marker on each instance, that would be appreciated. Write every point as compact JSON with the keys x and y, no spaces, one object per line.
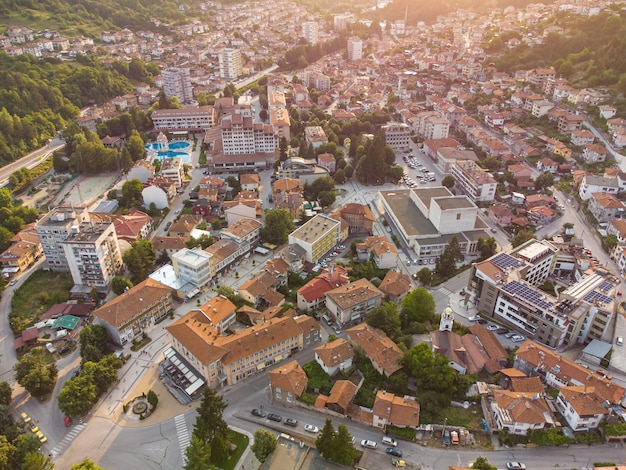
{"x":163,"y":154}
{"x":179,"y":148}
{"x":177,"y":145}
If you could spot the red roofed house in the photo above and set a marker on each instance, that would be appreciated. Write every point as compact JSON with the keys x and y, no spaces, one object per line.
{"x":313,"y":294}
{"x":133,"y":226}
{"x":389,"y":409}
{"x":287,"y":383}
{"x":379,"y":348}
{"x":334,"y":356}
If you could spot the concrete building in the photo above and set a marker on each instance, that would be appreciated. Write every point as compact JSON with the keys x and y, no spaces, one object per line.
{"x":190,"y":119}
{"x":474,"y":181}
{"x":193,"y":266}
{"x":355,"y":48}
{"x":230,"y":63}
{"x":53,"y":228}
{"x":172,"y":169}
{"x":241,"y":135}
{"x":397,"y":136}
{"x":317,"y":237}
{"x":310,"y":31}
{"x":177,"y":82}
{"x":315,"y":136}
{"x":352,"y":302}
{"x":436,"y":127}
{"x":93,"y":254}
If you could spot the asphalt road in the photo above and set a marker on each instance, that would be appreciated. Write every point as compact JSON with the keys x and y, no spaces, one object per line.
{"x":31,"y":160}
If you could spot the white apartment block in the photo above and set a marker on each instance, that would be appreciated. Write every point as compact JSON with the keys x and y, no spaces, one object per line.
{"x":230,"y":63}
{"x":177,"y":82}
{"x":355,"y":48}
{"x":436,"y":127}
{"x":186,"y":119}
{"x":93,"y":254}
{"x":310,"y":31}
{"x":172,"y":169}
{"x":317,"y":237}
{"x":53,"y":228}
{"x":241,"y":135}
{"x":397,"y":136}
{"x":474,"y":181}
{"x":192,"y":266}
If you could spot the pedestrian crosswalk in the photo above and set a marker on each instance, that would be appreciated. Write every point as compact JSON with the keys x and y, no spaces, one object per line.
{"x":183,"y":434}
{"x":67,"y":440}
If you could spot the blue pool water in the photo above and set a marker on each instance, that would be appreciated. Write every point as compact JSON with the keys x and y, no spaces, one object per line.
{"x":171,"y":154}
{"x":178,"y":145}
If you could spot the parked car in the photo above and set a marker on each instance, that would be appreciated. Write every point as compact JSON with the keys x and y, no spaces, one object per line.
{"x":517,"y":338}
{"x":274,"y":417}
{"x":482,"y":321}
{"x":25,"y":417}
{"x":502,"y":331}
{"x":42,"y":438}
{"x":474,"y":318}
{"x":389,"y":441}
{"x":259,"y":413}
{"x":446,"y":437}
{"x":13,"y":282}
{"x":310,"y":428}
{"x":290,"y":422}
{"x":368,"y":443}
{"x":67,"y":421}
{"x":509,"y":334}
{"x":493,"y":327}
{"x":32,"y":426}
{"x":515,"y":466}
{"x":393,"y":451}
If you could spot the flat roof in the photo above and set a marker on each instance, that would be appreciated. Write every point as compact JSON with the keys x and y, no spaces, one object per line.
{"x":408,"y":215}
{"x":425,"y":194}
{"x":457,"y":202}
{"x":315,"y":228}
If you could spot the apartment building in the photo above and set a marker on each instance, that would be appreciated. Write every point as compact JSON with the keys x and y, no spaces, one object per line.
{"x":241,"y":135}
{"x":246,"y":233}
{"x":474,"y":181}
{"x":177,"y":82}
{"x":191,"y":119}
{"x":315,"y":136}
{"x":129,"y":314}
{"x":436,"y":127}
{"x":172,"y":169}
{"x":397,"y":136}
{"x":355,"y":48}
{"x":310,"y":31}
{"x":230,"y":63}
{"x":93,"y":254}
{"x":192,"y":266}
{"x":317,"y":236}
{"x":384,"y":354}
{"x":53,"y":228}
{"x":226,"y":360}
{"x":352,"y":302}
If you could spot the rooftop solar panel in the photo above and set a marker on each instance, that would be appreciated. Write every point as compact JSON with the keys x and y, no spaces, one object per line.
{"x":595,"y":296}
{"x":505,"y":261}
{"x":605,"y":286}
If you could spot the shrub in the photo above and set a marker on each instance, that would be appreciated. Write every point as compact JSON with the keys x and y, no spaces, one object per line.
{"x":152,"y":399}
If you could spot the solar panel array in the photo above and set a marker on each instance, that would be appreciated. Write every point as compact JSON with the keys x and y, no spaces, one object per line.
{"x":606,"y":286}
{"x":524,"y":292}
{"x":505,"y":261}
{"x":594,"y":296}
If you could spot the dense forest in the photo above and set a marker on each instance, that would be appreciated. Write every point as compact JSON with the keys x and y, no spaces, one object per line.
{"x":39,"y":97}
{"x":590,"y":52}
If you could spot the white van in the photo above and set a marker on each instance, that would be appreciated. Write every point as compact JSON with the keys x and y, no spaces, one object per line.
{"x":389,"y":441}
{"x":327,"y":319}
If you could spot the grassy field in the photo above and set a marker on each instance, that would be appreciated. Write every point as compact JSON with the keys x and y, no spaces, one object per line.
{"x":241,"y":441}
{"x":470,"y":418}
{"x":40,"y":291}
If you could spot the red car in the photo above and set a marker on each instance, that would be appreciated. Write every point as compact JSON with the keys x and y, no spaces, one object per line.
{"x":68,"y":421}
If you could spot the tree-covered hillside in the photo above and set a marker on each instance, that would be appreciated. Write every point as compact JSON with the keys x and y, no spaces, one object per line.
{"x":90,"y":17}
{"x":590,"y":52}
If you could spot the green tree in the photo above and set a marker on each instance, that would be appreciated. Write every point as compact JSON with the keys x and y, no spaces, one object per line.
{"x":93,"y":341}
{"x":5,"y":393}
{"x":126,"y":161}
{"x":278,"y":225}
{"x":418,"y":306}
{"x":25,"y":444}
{"x":486,"y":247}
{"x":210,"y":423}
{"x":386,"y":318}
{"x":131,"y":192}
{"x":345,"y":453}
{"x":7,"y":450}
{"x":609,"y":242}
{"x":102,"y":374}
{"x":425,"y":276}
{"x":203,"y":241}
{"x":119,"y":284}
{"x":481,"y":463}
{"x":6,"y":200}
{"x":448,"y":181}
{"x":136,"y":146}
{"x":77,"y":396}
{"x":36,"y":461}
{"x":139,"y":259}
{"x":326,"y":198}
{"x":264,"y":444}
{"x":325,"y":440}
{"x":233,"y":182}
{"x":446,"y":266}
{"x":5,"y":238}
{"x":544,"y":180}
{"x":198,"y":455}
{"x":35,"y":374}
{"x":86,"y":464}
{"x":521,"y":237}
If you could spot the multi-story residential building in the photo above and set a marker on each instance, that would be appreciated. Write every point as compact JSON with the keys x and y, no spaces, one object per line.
{"x":193,"y":267}
{"x":25,"y":249}
{"x":383,"y":251}
{"x":310,"y":31}
{"x":605,"y":206}
{"x":436,"y":127}
{"x":392,"y":410}
{"x":359,"y":217}
{"x":355,"y":48}
{"x":519,"y":413}
{"x":177,"y":82}
{"x":245,"y":233}
{"x":230,"y":63}
{"x":129,"y":314}
{"x":191,"y":119}
{"x":315,"y":136}
{"x":241,"y":135}
{"x":581,"y":407}
{"x":397,"y":136}
{"x":594,"y":153}
{"x":317,"y":236}
{"x":474,"y":181}
{"x":312,"y":295}
{"x":287,"y":383}
{"x":93,"y":254}
{"x":53,"y":228}
{"x":172,"y":169}
{"x":226,"y":360}
{"x":335,"y":356}
{"x":597,"y":184}
{"x":352,"y":302}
